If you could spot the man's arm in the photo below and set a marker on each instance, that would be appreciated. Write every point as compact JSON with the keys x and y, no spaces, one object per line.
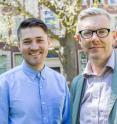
{"x":4,"y":101}
{"x":66,"y":110}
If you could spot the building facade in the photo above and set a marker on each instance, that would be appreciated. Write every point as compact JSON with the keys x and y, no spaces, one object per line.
{"x":9,"y":53}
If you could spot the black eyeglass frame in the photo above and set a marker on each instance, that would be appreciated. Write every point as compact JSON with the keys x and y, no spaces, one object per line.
{"x":80,"y":32}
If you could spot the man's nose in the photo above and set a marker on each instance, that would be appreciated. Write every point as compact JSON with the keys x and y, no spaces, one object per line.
{"x":94,"y":35}
{"x":95,"y":38}
{"x":34,"y":46}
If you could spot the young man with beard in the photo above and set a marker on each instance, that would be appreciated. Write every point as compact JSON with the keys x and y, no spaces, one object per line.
{"x":32,"y":93}
{"x":94,"y":92}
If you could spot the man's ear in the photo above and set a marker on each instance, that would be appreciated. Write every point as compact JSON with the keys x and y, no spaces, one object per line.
{"x":114,"y":41}
{"x":50,"y":42}
{"x":19,"y":46}
{"x":77,"y":37}
{"x":115,"y":35}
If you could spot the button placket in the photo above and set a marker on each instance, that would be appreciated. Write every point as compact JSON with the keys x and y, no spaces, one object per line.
{"x":43,"y":101}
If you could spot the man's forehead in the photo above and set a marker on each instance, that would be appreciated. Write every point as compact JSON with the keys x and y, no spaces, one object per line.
{"x":98,"y":21}
{"x":33,"y":33}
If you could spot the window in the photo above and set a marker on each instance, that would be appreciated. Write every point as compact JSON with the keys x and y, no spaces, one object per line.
{"x":3,"y":63}
{"x":56,"y":69}
{"x":17,"y":59}
{"x":82,"y":60}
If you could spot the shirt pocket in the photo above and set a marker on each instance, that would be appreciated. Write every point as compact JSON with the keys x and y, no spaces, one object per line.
{"x":17,"y":108}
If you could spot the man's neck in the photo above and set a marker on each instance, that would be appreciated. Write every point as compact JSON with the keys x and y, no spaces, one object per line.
{"x":98,"y":66}
{"x":36,"y":67}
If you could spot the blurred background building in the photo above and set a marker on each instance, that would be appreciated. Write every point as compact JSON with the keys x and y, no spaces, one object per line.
{"x":10,"y":55}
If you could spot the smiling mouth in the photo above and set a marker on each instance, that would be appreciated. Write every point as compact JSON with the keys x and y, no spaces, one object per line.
{"x":35,"y":54}
{"x":95,"y":47}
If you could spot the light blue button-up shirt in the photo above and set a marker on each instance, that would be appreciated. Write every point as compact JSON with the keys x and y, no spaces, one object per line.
{"x":31,"y":97}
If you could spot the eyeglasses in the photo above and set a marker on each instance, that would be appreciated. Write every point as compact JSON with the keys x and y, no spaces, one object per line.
{"x":101,"y":33}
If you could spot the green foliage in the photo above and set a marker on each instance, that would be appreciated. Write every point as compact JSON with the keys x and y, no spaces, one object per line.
{"x":16,"y":8}
{"x":66,"y":10}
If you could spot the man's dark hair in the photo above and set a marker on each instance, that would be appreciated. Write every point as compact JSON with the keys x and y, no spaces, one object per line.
{"x":31,"y":22}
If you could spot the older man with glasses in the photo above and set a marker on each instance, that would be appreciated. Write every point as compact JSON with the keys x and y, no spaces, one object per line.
{"x":94,"y":92}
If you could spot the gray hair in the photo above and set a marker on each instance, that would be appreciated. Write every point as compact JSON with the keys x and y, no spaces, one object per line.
{"x":94,"y":11}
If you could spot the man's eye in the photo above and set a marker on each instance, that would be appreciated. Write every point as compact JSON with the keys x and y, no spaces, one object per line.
{"x":87,"y":33}
{"x":40,"y":40}
{"x":26,"y":42}
{"x":101,"y":32}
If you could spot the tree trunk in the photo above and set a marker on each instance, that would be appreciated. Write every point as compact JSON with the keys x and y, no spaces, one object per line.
{"x":69,"y":56}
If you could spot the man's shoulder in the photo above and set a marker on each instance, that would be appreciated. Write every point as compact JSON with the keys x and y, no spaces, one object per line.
{"x":77,"y":83}
{"x":77,"y":79}
{"x":54,"y":76}
{"x":52,"y":72}
{"x":76,"y":86}
{"x":11,"y":72}
{"x":8,"y":77}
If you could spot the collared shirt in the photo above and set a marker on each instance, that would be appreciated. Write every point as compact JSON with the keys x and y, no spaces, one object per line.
{"x":98,"y":89}
{"x":32,"y":97}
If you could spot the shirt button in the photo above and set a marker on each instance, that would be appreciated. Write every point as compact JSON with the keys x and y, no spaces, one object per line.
{"x":44,"y":118}
{"x":43,"y":103}
{"x":94,"y":115}
{"x":40,"y":87}
{"x":38,"y":75}
{"x":95,"y":97}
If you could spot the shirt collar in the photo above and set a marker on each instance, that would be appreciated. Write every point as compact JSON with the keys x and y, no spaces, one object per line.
{"x":33,"y":73}
{"x":110,"y":63}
